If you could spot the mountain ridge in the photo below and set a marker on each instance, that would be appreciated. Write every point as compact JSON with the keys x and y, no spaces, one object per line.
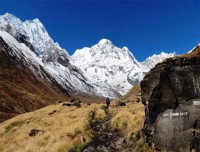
{"x":113,"y":67}
{"x":71,"y":73}
{"x":21,"y":90}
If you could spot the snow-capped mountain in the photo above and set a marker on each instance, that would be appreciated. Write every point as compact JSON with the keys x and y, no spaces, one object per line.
{"x":108,"y":66}
{"x":103,"y":69}
{"x":151,"y":61}
{"x":111,"y":67}
{"x":30,"y":43}
{"x":35,"y":36}
{"x":68,"y":77}
{"x":147,"y":65}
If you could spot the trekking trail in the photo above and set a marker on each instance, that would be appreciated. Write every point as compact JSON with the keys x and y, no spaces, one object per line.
{"x":106,"y":139}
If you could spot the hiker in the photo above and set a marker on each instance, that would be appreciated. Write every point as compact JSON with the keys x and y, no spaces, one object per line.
{"x":107,"y":102}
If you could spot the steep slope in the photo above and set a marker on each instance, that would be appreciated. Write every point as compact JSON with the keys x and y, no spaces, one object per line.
{"x":34,"y":35}
{"x":102,"y":70}
{"x":54,"y":60}
{"x":55,"y":76}
{"x":133,"y":95}
{"x":21,"y":91}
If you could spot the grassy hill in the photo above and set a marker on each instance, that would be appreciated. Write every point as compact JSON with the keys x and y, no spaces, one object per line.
{"x":64,"y":128}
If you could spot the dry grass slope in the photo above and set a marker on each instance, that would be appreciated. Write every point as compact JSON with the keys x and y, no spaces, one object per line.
{"x":128,"y":119}
{"x":65,"y":128}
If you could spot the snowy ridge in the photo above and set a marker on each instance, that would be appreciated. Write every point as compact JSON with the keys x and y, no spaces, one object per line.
{"x":34,"y":33}
{"x":31,"y":40}
{"x":108,"y":66}
{"x":103,"y":69}
{"x":111,"y":67}
{"x":70,"y":79}
{"x":151,"y":61}
{"x":193,"y":48}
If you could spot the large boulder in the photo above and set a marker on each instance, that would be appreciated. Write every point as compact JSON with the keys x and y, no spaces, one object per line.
{"x":171,"y":95}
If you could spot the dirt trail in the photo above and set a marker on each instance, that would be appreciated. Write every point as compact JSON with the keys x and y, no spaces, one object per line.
{"x":105,"y":139}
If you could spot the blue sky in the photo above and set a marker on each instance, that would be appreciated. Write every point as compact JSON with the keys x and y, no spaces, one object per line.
{"x":145,"y":27}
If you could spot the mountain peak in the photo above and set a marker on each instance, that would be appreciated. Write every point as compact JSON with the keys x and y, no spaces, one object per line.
{"x":36,"y":20}
{"x":8,"y":15}
{"x":9,"y":18}
{"x":105,"y":42}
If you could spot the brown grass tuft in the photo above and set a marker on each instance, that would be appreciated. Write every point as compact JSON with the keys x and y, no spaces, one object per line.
{"x":128,"y":119}
{"x":63,"y":130}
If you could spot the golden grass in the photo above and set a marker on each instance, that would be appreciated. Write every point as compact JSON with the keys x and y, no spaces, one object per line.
{"x":195,"y":52}
{"x":128,"y":119}
{"x":100,"y":113}
{"x":64,"y":128}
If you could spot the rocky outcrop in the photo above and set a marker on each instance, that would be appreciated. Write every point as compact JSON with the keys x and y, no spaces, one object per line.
{"x":171,"y":95}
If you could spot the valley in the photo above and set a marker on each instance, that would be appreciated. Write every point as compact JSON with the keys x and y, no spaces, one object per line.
{"x":64,"y":128}
{"x":35,"y":74}
{"x":52,"y":101}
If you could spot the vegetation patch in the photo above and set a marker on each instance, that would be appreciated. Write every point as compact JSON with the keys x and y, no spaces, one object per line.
{"x":77,"y":148}
{"x":69,"y":128}
{"x":13,"y":124}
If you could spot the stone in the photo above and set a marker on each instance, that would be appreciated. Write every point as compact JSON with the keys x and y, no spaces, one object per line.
{"x":59,"y":102}
{"x":66,"y":104}
{"x":101,"y":148}
{"x":171,"y":95}
{"x":34,"y":132}
{"x":120,"y":143}
{"x":137,"y":100}
{"x":110,"y":135}
{"x":89,"y":149}
{"x":134,"y":136}
{"x":51,"y":113}
{"x":76,"y":103}
{"x":120,"y":103}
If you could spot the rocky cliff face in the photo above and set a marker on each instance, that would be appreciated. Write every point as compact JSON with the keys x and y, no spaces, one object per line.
{"x":171,"y":94}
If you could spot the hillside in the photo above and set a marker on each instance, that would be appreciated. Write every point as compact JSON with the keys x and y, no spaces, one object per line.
{"x":63,"y":128}
{"x":36,"y":72}
{"x":21,"y":91}
{"x":133,"y":95}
